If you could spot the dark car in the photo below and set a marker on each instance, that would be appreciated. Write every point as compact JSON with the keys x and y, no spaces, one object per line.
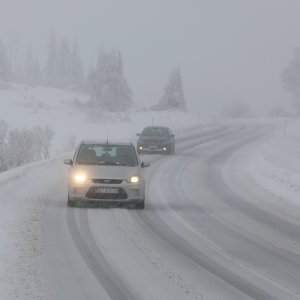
{"x":156,"y":139}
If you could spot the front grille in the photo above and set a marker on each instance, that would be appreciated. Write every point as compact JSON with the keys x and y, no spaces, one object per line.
{"x":107,"y":181}
{"x":153,"y":143}
{"x":118,"y":196}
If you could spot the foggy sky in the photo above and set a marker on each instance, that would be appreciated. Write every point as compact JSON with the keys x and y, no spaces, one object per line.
{"x":226,"y":49}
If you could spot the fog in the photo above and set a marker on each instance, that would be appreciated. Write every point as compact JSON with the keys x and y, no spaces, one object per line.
{"x":226,"y":50}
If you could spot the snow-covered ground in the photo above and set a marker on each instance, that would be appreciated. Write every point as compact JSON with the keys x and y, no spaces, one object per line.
{"x":276,"y":164}
{"x":273,"y":165}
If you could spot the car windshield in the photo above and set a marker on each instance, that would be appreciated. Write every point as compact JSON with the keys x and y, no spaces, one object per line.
{"x":112,"y":155}
{"x":155,"y":131}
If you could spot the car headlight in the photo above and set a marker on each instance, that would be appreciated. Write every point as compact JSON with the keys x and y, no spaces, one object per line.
{"x":134,"y":179}
{"x":79,"y":177}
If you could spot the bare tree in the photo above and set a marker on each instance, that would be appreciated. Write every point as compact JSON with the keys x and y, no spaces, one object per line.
{"x":43,"y":136}
{"x":20,"y":148}
{"x":71,"y":143}
{"x":3,"y":136}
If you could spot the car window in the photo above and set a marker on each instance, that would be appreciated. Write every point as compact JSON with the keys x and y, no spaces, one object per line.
{"x":115,"y":155}
{"x":155,"y":131}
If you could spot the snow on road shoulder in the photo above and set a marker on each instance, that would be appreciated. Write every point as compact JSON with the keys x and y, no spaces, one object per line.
{"x":275,"y":165}
{"x":22,"y":209}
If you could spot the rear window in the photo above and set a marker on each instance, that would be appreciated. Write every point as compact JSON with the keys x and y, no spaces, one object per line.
{"x":114,"y":155}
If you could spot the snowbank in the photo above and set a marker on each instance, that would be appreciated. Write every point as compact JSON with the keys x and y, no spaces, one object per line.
{"x":275,"y":165}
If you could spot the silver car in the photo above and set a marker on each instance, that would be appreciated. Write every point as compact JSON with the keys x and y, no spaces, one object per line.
{"x":106,"y":175}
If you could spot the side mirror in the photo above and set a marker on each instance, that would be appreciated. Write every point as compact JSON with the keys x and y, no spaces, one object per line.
{"x":68,"y":162}
{"x":138,"y":134}
{"x":145,"y":164}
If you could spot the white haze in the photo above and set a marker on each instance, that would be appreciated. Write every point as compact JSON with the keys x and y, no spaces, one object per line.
{"x":227,"y":50}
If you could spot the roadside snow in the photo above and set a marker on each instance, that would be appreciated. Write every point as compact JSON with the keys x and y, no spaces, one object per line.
{"x":275,"y":165}
{"x":22,"y":209}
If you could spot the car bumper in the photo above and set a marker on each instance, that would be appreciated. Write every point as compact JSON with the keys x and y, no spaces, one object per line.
{"x":127,"y":193}
{"x":83,"y":202}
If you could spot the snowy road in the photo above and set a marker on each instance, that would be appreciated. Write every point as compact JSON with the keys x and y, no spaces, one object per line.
{"x":207,"y":232}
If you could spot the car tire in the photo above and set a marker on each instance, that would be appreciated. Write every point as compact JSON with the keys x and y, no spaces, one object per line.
{"x":71,"y":203}
{"x":140,"y":205}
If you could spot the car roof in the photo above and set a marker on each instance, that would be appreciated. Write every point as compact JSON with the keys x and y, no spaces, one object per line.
{"x":157,"y":127}
{"x":102,"y":142}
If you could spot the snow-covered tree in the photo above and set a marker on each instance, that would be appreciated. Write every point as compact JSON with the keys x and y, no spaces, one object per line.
{"x":32,"y":71}
{"x":64,"y":68}
{"x":107,"y":85}
{"x":15,"y":60}
{"x":5,"y":69}
{"x":291,"y":78}
{"x":63,"y":65}
{"x":70,"y":143}
{"x":76,"y":69}
{"x":43,"y":137}
{"x":51,"y":69}
{"x":3,"y":136}
{"x":20,"y":148}
{"x":173,"y":98}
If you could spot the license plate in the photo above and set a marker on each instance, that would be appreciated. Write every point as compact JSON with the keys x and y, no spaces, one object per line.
{"x":106,"y":190}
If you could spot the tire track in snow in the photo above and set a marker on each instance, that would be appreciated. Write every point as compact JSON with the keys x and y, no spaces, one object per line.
{"x":108,"y":276}
{"x":160,"y":227}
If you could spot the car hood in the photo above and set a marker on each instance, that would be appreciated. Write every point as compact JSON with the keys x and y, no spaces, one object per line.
{"x":109,"y":172}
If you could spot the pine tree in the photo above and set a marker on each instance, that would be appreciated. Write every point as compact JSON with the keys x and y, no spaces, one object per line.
{"x":32,"y":69}
{"x":64,"y":65}
{"x":107,"y":85}
{"x":5,"y":70}
{"x":291,"y":78}
{"x":76,"y":69}
{"x":51,"y":69}
{"x":173,"y":98}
